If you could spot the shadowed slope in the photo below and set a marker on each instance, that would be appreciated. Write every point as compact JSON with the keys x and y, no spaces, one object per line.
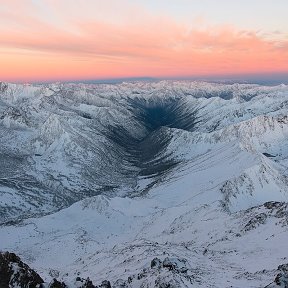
{"x":147,"y":152}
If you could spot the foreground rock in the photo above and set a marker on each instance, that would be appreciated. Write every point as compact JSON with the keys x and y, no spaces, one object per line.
{"x":282,"y":277}
{"x":15,"y":273}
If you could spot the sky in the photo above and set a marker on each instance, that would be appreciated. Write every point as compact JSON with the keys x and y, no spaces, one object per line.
{"x":66,"y":40}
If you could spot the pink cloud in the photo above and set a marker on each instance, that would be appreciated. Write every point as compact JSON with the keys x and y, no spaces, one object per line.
{"x":148,"y":45}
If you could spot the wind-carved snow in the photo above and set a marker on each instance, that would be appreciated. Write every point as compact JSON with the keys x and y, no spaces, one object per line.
{"x":193,"y":174}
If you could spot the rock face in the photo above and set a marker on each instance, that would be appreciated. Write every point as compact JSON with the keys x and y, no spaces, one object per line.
{"x":15,"y":273}
{"x":282,"y":277}
{"x":57,"y":284}
{"x":84,"y":283}
{"x":105,"y":284}
{"x":156,"y":263}
{"x":3,"y":87}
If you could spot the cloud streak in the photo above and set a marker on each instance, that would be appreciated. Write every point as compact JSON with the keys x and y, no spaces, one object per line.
{"x":36,"y":46}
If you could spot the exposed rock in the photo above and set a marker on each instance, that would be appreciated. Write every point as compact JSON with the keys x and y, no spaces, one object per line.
{"x":15,"y":273}
{"x":175,"y":264}
{"x":57,"y":284}
{"x":273,"y":205}
{"x":156,"y":263}
{"x":120,"y":283}
{"x":167,"y":273}
{"x":84,"y":283}
{"x":167,"y":263}
{"x":282,"y":277}
{"x":278,"y":209}
{"x":15,"y":115}
{"x":268,"y":155}
{"x":54,"y":273}
{"x":255,"y":221}
{"x":162,"y":283}
{"x":258,"y":215}
{"x":3,"y":87}
{"x":105,"y":284}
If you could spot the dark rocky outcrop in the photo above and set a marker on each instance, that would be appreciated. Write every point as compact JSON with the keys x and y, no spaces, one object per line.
{"x":268,"y":155}
{"x":3,"y":87}
{"x":282,"y":277}
{"x":165,"y":274}
{"x":84,"y":283}
{"x":57,"y":284}
{"x":15,"y":273}
{"x":176,"y":264}
{"x":105,"y":284}
{"x":255,"y":221}
{"x":156,"y":263}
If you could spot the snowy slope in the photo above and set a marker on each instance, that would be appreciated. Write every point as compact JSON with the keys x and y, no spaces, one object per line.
{"x":180,"y":171}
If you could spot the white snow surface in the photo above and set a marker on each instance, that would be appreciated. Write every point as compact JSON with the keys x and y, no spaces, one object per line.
{"x":207,"y":211}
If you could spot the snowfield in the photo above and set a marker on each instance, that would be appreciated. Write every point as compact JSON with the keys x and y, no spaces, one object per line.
{"x":146,"y":184}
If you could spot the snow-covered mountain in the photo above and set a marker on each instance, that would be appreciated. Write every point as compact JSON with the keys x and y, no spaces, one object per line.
{"x":146,"y":184}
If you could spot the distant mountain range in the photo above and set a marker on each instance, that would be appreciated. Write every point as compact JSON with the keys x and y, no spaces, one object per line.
{"x":146,"y":183}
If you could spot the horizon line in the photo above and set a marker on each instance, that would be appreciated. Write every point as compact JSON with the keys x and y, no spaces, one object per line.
{"x":249,"y":78}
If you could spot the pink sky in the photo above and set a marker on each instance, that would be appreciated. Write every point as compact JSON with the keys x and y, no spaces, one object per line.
{"x":78,"y":40}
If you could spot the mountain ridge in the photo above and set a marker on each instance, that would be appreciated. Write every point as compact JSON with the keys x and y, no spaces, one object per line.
{"x":111,"y":177}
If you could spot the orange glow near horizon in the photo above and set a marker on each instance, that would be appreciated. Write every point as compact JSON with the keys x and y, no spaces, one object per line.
{"x":35,"y":50}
